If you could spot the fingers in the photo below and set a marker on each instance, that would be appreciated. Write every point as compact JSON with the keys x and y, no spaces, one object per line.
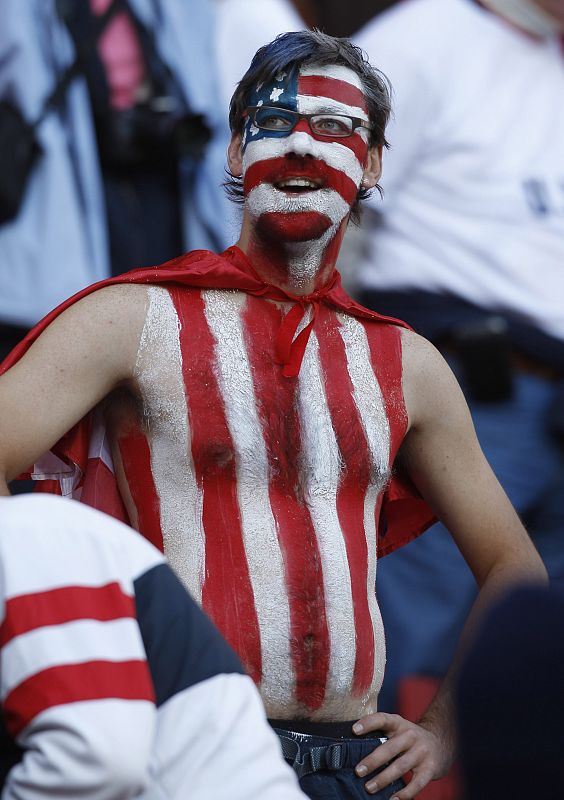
{"x":420,"y":778}
{"x":409,"y":748}
{"x":400,"y":744}
{"x":388,"y":723}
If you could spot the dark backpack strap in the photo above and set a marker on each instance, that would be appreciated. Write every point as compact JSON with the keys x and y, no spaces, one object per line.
{"x":84,"y":47}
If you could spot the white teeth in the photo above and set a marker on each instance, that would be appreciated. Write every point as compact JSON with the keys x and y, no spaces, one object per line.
{"x":297,"y":182}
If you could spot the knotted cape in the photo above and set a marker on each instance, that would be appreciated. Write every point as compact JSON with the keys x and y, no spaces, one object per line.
{"x":404,"y":513}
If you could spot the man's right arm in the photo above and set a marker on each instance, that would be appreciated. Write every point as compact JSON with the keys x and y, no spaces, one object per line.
{"x":85,"y":353}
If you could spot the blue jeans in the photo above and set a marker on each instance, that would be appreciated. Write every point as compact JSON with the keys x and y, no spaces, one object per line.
{"x":425,"y":590}
{"x":343,"y":783}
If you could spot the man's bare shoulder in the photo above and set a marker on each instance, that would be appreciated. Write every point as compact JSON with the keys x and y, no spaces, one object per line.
{"x":111,"y":317}
{"x":99,"y":333}
{"x":420,"y":357}
{"x":87,"y":351}
{"x":429,"y":386}
{"x":120,"y":302}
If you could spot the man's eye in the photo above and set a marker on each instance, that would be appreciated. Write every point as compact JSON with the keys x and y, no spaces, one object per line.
{"x":338,"y":125}
{"x":274,"y":122}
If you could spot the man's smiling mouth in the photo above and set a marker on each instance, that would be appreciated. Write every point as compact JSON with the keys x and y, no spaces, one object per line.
{"x":297,"y":185}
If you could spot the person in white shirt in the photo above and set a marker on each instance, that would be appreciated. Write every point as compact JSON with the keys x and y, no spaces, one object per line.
{"x":468,"y":246}
{"x":113,"y":683}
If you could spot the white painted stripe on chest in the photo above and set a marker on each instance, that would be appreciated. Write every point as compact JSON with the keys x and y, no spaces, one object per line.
{"x":321,"y":469}
{"x":370,"y":404}
{"x":159,"y":367}
{"x":264,"y":557}
{"x":367,"y":394}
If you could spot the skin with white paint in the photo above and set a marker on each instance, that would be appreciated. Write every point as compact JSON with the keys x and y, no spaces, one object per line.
{"x":164,"y":414}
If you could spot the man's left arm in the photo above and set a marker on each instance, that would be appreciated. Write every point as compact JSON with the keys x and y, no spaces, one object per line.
{"x":443,"y":458}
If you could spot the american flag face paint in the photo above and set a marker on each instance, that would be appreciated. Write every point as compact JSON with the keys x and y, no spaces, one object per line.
{"x":300,"y":185}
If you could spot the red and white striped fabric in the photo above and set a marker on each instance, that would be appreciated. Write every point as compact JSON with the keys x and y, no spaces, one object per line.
{"x":265,"y":490}
{"x":74,"y":679}
{"x":113,"y":684}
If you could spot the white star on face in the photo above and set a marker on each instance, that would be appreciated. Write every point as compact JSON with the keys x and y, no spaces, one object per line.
{"x":275,"y":95}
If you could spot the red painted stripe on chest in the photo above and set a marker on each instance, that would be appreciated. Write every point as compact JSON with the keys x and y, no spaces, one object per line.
{"x":333,"y":88}
{"x":227,"y":594}
{"x":353,"y":484}
{"x":385,"y":355}
{"x":136,"y":458}
{"x":276,"y":401}
{"x":28,"y":612}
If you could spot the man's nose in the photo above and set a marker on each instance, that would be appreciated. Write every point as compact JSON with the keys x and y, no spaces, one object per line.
{"x":301,"y":142}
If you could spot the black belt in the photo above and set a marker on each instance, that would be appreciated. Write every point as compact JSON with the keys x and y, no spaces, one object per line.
{"x":314,"y":759}
{"x":300,"y":750}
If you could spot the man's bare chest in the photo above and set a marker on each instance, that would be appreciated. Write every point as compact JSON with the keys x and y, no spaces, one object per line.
{"x":208,"y":376}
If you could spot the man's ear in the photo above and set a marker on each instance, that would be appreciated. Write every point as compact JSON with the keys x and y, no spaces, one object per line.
{"x":373,"y":168}
{"x":235,"y":155}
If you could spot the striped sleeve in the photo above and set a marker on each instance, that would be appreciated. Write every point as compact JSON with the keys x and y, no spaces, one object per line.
{"x":212,"y":738}
{"x":76,"y":692}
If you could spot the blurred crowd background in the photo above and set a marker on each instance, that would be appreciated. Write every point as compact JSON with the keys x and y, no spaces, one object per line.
{"x":113,"y":131}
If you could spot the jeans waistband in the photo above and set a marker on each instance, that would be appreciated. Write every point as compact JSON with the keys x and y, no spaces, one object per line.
{"x":328,"y":730}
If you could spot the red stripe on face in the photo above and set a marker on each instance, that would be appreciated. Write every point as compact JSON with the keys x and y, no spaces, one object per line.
{"x":354,"y":142}
{"x":273,"y":170}
{"x":298,"y":226}
{"x":227,"y":593}
{"x":57,"y":606}
{"x":136,"y":458}
{"x":76,"y":683}
{"x":333,"y":88}
{"x":276,"y":400}
{"x":353,"y":484}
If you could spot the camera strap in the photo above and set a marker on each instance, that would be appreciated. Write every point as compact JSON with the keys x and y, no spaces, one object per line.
{"x":82,"y":48}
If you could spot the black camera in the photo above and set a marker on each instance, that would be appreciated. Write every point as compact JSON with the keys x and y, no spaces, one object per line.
{"x":151,"y":133}
{"x":484,"y":349}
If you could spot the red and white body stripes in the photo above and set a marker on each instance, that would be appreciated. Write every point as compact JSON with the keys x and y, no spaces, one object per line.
{"x":265,"y":490}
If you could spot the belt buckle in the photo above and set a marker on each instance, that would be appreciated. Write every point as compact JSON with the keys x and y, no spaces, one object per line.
{"x":334,"y":756}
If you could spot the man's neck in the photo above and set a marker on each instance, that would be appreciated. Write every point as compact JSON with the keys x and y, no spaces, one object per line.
{"x":525,"y":14}
{"x":299,"y":268}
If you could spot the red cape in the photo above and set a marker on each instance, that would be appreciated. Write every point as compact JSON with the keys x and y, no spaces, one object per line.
{"x":404,"y":513}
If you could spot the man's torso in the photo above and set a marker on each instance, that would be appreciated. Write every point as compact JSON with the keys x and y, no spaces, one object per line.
{"x":265,"y":490}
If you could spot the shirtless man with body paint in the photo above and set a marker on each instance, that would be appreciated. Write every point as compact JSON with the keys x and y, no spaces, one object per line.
{"x":253,"y":414}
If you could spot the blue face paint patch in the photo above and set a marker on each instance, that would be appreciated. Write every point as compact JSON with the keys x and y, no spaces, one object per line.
{"x":283,"y":92}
